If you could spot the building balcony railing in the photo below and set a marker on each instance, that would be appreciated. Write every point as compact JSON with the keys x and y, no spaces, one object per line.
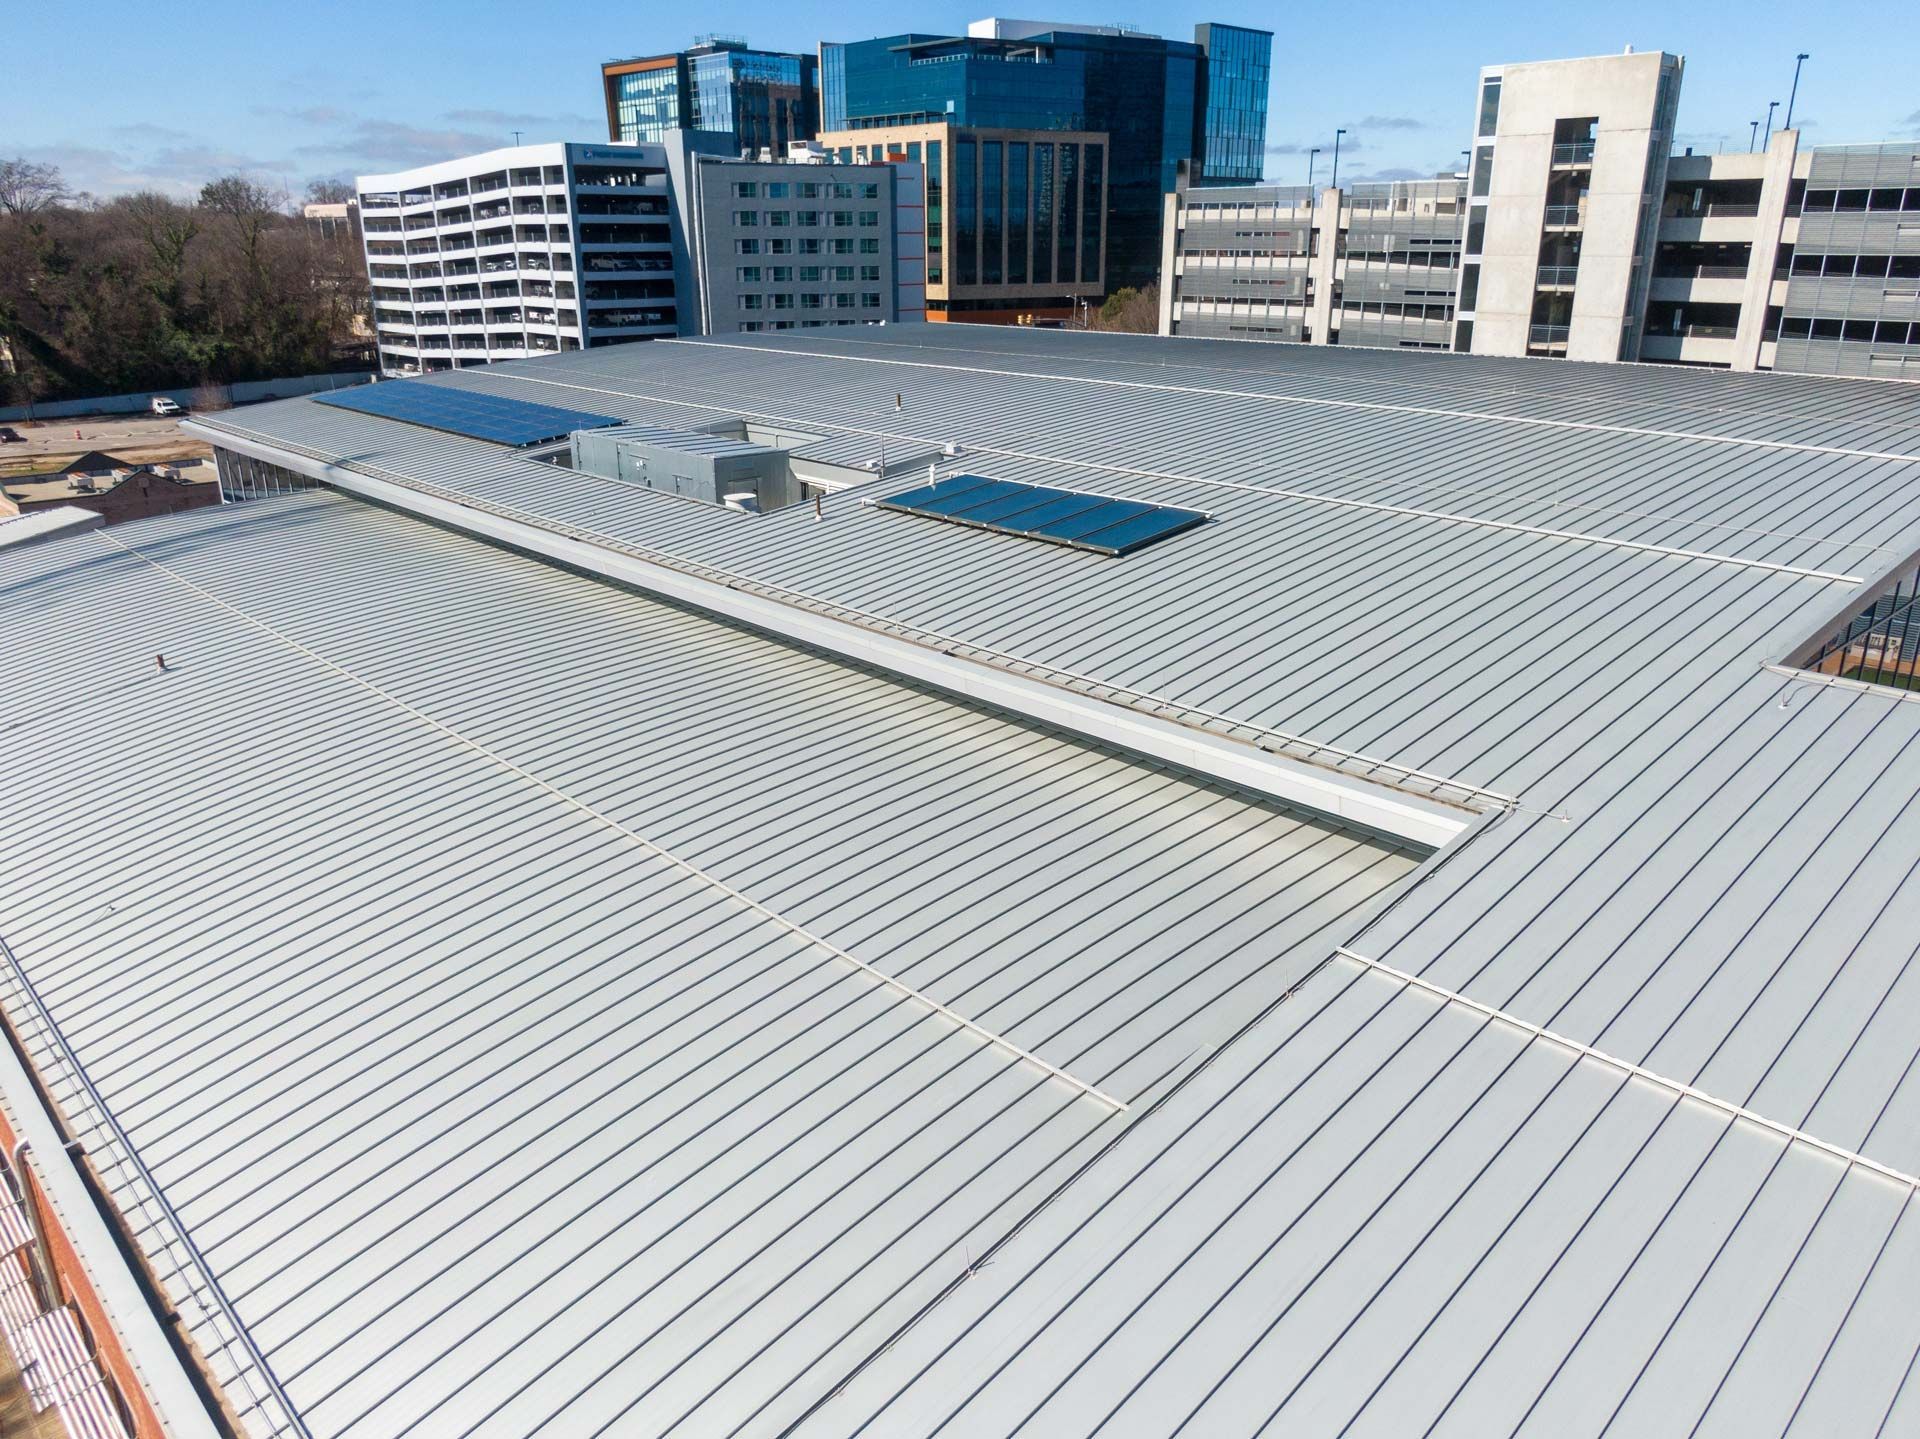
{"x":1705,"y":332}
{"x":1578,"y":152}
{"x":1702,"y":272}
{"x":1557,"y":276}
{"x":1547,"y":335}
{"x":1712,"y":210}
{"x":1566,"y":217}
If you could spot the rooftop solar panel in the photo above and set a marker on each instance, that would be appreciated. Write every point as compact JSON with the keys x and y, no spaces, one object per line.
{"x":1100,"y":523}
{"x":467,"y":412}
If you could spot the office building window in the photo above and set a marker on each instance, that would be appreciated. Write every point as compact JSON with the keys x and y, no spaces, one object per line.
{"x":779,"y":219}
{"x":842,"y":247}
{"x":807,"y":219}
{"x":746,"y":217}
{"x":809,"y":274}
{"x":869,"y":245}
{"x":936,"y":232}
{"x":869,"y":218}
{"x":745,"y":189}
{"x":1017,"y":213}
{"x":1068,"y":271}
{"x":809,"y":244}
{"x":746,"y":247}
{"x":869,"y":301}
{"x":1489,"y":107}
{"x":777,"y":189}
{"x":992,"y":214}
{"x":782,"y":246}
{"x":750,"y":302}
{"x":966,"y":210}
{"x":870,"y":273}
{"x":1092,"y":211}
{"x":1482,"y":170}
{"x":869,"y":192}
{"x":781,"y":274}
{"x":1043,"y":208}
{"x":747,"y":275}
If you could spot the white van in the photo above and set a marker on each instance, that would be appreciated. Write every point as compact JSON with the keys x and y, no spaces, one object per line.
{"x":161,"y":405}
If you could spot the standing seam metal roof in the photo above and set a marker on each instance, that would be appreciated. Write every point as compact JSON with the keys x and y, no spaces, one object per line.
{"x":1600,"y":1123}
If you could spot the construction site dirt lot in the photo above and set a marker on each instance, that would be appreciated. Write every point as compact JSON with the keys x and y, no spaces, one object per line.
{"x":49,"y":444}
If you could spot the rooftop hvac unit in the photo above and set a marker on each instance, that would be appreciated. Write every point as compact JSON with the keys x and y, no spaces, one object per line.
{"x":951,"y":449}
{"x":745,"y":501}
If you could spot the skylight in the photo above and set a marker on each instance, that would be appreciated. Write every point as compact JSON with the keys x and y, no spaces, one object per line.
{"x":1100,"y":523}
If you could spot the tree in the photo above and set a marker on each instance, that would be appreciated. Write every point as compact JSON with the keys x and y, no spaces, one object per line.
{"x":1133,"y":311}
{"x":329,"y":192}
{"x":148,"y":293}
{"x":27,"y":188}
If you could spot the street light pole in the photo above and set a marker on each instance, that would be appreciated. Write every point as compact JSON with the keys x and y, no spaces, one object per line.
{"x":1311,"y":155}
{"x":1772,"y":105}
{"x":1793,"y":94}
{"x":1334,"y":183}
{"x":1753,"y":135}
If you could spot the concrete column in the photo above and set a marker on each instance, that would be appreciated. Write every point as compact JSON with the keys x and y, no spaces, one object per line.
{"x":1767,"y":229}
{"x":1326,"y":229}
{"x":1170,"y":221}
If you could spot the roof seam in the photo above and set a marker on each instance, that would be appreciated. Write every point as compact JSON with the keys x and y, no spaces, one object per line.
{"x":1638,"y":1071}
{"x":980,"y":1031}
{"x":1271,"y":491}
{"x":1391,"y":773}
{"x":1377,"y":406}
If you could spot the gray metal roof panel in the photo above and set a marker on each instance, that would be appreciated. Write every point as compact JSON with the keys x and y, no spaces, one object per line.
{"x":474,"y":1104}
{"x":1383,"y":1213}
{"x":1377,"y":1207}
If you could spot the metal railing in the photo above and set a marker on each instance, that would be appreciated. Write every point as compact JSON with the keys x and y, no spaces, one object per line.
{"x":1880,"y":643}
{"x":1557,"y":274}
{"x":1579,"y":152}
{"x":177,"y":1264}
{"x":1713,"y":209}
{"x":1547,"y":334}
{"x":1565,"y":215}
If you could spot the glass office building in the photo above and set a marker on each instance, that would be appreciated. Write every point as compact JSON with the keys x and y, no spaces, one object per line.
{"x":1234,"y":125}
{"x":1147,"y":95}
{"x":763,"y":99}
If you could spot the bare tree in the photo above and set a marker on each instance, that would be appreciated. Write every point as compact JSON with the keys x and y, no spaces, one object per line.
{"x":329,"y":191}
{"x":26,"y":188}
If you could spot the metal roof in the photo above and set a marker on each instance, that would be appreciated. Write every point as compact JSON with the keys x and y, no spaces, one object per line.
{"x":488,"y":971}
{"x":1602,"y":1120}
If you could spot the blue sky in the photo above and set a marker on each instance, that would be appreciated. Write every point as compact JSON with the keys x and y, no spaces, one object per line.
{"x":125,"y":97}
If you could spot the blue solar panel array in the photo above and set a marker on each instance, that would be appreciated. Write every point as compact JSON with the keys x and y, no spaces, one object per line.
{"x":466,"y":412}
{"x":1062,"y":517}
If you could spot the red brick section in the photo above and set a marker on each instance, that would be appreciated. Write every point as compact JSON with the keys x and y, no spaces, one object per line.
{"x":70,"y":1275}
